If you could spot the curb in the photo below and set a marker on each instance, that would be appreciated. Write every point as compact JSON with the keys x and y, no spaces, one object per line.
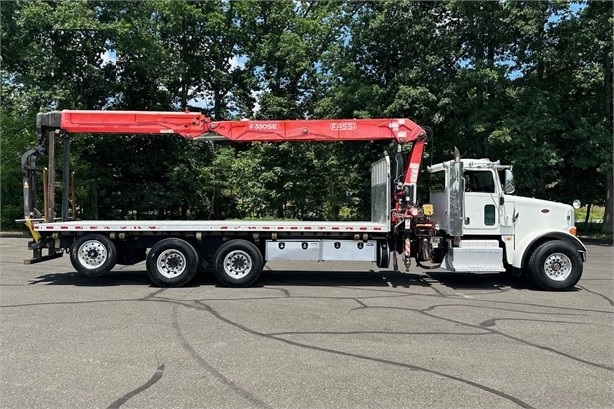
{"x":597,"y":242}
{"x":14,"y":234}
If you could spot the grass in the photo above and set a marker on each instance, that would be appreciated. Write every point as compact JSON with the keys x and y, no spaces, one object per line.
{"x":596,"y":214}
{"x":594,"y":227}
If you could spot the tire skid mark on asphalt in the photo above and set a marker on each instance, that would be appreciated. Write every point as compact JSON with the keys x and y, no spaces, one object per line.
{"x":360,"y":302}
{"x":75,"y":279}
{"x":482,"y":307}
{"x":493,"y":321}
{"x":155,"y":378}
{"x":596,"y":293}
{"x":438,"y":293}
{"x":156,"y":298}
{"x":304,"y":297}
{"x":309,"y":297}
{"x":494,"y":331}
{"x":482,"y":387}
{"x":517,"y":339}
{"x":275,"y":334}
{"x":552,"y":307}
{"x":217,"y":374}
{"x":151,"y":297}
{"x":456,"y":297}
{"x":154,"y":294}
{"x":486,"y":324}
{"x":279,"y":278}
{"x":284,"y":291}
{"x":58,"y":303}
{"x":501,"y":284}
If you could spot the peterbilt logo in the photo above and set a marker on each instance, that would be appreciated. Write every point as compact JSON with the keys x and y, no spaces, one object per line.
{"x":343,"y":126}
{"x":263,"y":127}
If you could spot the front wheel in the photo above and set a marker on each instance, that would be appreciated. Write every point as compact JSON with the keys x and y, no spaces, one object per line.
{"x":93,"y":254}
{"x":237,"y":263}
{"x":555,"y":265}
{"x":172,"y":262}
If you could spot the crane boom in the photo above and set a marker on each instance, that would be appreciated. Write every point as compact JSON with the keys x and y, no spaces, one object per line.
{"x":192,"y":125}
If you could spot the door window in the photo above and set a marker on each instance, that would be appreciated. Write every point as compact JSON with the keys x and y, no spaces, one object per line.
{"x":489,"y":215}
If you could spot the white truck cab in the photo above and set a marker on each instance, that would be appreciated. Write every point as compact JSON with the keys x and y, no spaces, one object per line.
{"x":486,"y":228}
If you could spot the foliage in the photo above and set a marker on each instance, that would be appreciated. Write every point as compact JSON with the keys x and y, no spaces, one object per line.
{"x":526,"y":82}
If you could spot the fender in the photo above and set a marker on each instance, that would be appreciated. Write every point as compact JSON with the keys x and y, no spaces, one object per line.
{"x":528,"y":242}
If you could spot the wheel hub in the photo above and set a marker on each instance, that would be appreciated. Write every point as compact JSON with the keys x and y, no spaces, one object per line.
{"x":171,"y":263}
{"x":558,"y":266}
{"x":92,"y":254}
{"x":237,"y":264}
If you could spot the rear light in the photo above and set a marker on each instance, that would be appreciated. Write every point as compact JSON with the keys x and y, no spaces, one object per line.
{"x":572,"y":230}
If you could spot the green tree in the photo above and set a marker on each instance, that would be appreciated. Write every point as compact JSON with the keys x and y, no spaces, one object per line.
{"x":561,"y":63}
{"x":525,"y":82}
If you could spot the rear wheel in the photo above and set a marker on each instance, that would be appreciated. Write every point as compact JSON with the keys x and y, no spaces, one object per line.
{"x":93,"y":254}
{"x":238,"y":263}
{"x":555,"y":265}
{"x":172,"y":262}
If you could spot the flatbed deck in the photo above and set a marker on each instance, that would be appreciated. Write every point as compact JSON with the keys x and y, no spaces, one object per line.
{"x":212,"y":226}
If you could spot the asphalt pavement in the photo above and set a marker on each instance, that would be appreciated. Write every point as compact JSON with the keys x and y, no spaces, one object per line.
{"x":308,"y":335}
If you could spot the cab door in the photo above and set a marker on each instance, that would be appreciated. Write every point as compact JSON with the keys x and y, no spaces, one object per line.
{"x":481,"y":202}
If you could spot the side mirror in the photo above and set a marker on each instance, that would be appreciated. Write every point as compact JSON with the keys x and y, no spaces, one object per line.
{"x":509,"y":187}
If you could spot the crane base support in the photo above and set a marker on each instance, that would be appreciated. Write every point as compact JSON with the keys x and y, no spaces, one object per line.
{"x":42,"y":258}
{"x":37,"y":252}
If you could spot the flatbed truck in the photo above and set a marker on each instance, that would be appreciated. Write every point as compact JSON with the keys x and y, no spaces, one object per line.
{"x":472,"y":222}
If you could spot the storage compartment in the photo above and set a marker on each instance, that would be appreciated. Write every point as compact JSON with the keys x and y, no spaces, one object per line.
{"x":348,"y":250}
{"x":474,"y":256}
{"x":293,"y":250}
{"x":326,"y":250}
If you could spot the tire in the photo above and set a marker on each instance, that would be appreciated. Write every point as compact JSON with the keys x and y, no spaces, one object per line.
{"x":237,"y":263}
{"x":172,"y":262}
{"x":383,"y":254}
{"x":93,"y":254}
{"x":555,"y":265}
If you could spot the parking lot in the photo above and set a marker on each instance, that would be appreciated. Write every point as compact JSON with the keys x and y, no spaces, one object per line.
{"x":327,"y":335}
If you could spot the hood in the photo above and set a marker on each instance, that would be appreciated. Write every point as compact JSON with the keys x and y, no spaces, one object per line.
{"x":538,"y":213}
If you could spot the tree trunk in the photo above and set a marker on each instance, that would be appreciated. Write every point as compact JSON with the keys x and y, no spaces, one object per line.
{"x":608,"y":220}
{"x":94,"y":198}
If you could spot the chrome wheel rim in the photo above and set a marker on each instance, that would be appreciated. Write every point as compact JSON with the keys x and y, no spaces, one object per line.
{"x":237,"y":264}
{"x":558,"y":267}
{"x":171,"y":263}
{"x":92,"y":254}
